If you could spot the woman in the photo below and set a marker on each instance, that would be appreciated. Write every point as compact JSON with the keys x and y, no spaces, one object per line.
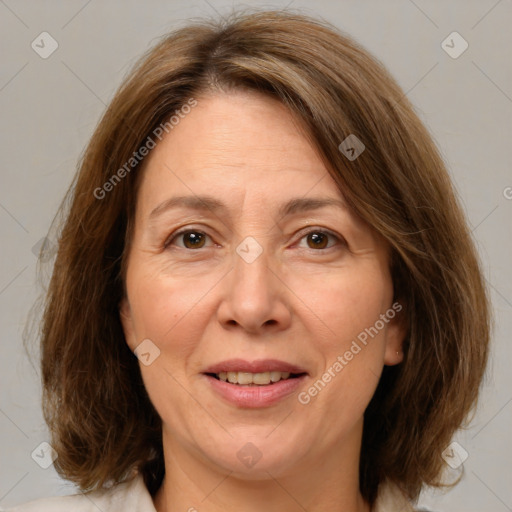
{"x":265,"y":290}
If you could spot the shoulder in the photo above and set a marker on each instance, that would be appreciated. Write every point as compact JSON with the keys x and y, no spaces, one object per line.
{"x":390,"y":499}
{"x":130,"y":495}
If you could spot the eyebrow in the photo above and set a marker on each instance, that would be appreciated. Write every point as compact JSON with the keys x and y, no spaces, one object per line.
{"x":209,"y":203}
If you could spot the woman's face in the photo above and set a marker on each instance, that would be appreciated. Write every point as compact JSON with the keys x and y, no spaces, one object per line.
{"x":264,"y":280}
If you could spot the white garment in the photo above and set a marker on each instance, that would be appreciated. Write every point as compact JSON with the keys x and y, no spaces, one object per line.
{"x":133,"y":496}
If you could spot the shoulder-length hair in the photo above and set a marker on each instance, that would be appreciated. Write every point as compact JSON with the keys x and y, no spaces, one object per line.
{"x":102,"y":423}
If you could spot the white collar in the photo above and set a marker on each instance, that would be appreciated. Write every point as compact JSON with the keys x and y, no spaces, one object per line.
{"x":133,"y":495}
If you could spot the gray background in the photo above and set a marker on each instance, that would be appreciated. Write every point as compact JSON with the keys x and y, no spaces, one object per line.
{"x":51,"y":106}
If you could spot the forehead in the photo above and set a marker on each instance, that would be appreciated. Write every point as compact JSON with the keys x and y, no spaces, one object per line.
{"x":236,"y":143}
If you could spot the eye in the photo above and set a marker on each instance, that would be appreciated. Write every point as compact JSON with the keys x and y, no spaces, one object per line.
{"x":196,"y":239}
{"x":319,"y":239}
{"x":191,"y":238}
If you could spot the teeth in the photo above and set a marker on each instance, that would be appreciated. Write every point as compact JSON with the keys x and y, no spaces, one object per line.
{"x":246,"y":379}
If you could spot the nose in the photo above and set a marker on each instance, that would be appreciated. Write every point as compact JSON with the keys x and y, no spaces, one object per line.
{"x":254,"y":296}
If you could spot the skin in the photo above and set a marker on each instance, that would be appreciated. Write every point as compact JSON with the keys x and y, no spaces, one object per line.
{"x":295,"y":302}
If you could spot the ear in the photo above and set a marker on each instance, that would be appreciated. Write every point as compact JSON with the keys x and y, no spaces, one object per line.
{"x":125,"y":315}
{"x":395,"y":336}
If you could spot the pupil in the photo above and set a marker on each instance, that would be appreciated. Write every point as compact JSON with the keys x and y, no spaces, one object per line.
{"x":318,"y":239}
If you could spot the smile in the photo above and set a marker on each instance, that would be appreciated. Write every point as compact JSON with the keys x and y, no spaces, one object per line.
{"x":254,"y":379}
{"x":254,"y":390}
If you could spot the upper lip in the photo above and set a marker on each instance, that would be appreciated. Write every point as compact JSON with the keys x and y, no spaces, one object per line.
{"x":257,"y":366}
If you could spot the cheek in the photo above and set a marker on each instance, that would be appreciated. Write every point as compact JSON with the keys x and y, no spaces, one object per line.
{"x":161,"y":304}
{"x":345,"y":313}
{"x":169,"y":311}
{"x":343,"y":304}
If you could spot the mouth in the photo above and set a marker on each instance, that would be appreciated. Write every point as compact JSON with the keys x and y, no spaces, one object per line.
{"x":254,"y":379}
{"x":255,"y":384}
{"x":255,"y":389}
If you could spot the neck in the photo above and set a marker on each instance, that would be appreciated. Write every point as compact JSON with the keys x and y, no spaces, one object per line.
{"x":327,"y":482}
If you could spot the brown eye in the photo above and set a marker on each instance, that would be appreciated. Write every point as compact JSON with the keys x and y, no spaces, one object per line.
{"x":322,"y":240}
{"x":318,"y":239}
{"x":191,"y":239}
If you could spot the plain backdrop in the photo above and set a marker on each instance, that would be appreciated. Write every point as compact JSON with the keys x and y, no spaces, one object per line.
{"x":50,"y":107}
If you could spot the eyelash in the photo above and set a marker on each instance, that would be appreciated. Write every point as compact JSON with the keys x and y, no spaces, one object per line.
{"x":176,"y":235}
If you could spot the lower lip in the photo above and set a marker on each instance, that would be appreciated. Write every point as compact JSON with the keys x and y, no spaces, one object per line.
{"x":255,"y":396}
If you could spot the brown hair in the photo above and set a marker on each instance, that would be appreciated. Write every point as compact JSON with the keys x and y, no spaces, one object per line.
{"x":102,"y":422}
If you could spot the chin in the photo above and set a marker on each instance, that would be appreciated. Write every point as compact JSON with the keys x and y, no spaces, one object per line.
{"x":254,"y":456}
